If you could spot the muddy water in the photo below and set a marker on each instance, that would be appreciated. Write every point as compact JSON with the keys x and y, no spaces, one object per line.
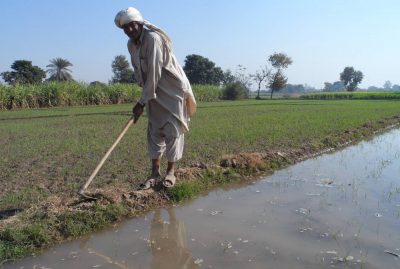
{"x":339,"y":210}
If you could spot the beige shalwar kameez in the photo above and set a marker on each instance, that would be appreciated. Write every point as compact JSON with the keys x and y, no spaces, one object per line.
{"x":166,"y":94}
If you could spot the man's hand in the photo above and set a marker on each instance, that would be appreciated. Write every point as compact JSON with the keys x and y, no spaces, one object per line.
{"x":137,"y":111}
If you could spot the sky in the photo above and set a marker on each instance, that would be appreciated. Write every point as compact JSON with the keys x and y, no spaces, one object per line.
{"x":321,"y":36}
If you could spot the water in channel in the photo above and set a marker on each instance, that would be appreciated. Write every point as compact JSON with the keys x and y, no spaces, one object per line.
{"x":339,"y":210}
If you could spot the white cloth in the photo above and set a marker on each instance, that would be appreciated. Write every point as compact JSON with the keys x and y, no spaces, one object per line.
{"x":128,"y":15}
{"x":132,"y":14}
{"x":166,"y":140}
{"x":163,"y":80}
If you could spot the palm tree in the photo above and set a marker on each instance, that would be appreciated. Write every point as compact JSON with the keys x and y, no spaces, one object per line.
{"x":58,"y":69}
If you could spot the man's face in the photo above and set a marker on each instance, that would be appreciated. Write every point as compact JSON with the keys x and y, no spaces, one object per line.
{"x":133,"y":30}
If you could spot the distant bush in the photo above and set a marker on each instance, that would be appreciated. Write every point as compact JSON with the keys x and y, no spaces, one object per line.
{"x":206,"y":93}
{"x":234,"y":91}
{"x":352,"y":95}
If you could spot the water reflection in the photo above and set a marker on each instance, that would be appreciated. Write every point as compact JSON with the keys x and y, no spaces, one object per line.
{"x":104,"y":257}
{"x":168,"y":243}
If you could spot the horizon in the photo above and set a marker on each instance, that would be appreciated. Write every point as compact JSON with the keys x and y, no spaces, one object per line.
{"x":321,"y":38}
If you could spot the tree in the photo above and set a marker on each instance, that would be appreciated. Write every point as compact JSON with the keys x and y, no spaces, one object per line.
{"x":327,"y":87}
{"x":351,"y":78}
{"x":24,"y":73}
{"x":123,"y":73}
{"x":201,"y":70}
{"x":336,"y":86}
{"x":228,"y":77}
{"x":396,"y":87}
{"x":374,"y":89}
{"x":387,"y":86}
{"x":289,"y":88}
{"x":280,"y":61}
{"x":242,"y":77}
{"x":58,"y":69}
{"x":259,"y":77}
{"x":277,"y":80}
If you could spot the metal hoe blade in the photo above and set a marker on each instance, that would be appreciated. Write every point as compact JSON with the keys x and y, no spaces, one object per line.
{"x":85,"y":196}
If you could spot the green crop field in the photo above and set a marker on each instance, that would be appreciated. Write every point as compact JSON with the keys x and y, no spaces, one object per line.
{"x":352,"y":95}
{"x":57,"y":149}
{"x":53,"y":151}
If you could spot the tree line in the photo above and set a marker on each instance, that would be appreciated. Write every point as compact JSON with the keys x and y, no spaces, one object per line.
{"x":199,"y":70}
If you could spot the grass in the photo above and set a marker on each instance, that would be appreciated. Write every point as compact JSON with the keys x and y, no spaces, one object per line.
{"x":353,"y":95}
{"x":18,"y":242}
{"x":80,"y":223}
{"x":23,"y":198}
{"x":56,"y":154}
{"x":52,"y":151}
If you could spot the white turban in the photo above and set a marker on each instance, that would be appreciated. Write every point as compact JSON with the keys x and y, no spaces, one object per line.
{"x":132,"y":14}
{"x":128,"y":15}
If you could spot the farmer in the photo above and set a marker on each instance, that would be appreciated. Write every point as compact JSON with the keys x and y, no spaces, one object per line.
{"x":167,"y":94}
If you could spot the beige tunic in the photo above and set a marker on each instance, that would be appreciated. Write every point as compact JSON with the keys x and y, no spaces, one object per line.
{"x":166,"y":93}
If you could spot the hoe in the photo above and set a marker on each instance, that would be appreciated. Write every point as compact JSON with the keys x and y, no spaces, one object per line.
{"x":82,"y":190}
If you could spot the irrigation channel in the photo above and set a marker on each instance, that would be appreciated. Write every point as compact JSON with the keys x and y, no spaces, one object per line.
{"x":339,"y":210}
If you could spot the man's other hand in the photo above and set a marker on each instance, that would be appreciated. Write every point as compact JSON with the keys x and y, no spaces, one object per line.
{"x":137,"y":111}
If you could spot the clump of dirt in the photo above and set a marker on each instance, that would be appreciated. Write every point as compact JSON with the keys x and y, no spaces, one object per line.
{"x":189,"y":173}
{"x":251,"y":161}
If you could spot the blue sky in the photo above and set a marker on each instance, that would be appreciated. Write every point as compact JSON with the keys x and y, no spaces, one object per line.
{"x":321,"y":36}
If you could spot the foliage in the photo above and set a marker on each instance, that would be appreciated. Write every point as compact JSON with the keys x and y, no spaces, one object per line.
{"x":71,"y":93}
{"x":80,"y":223}
{"x":280,"y":60}
{"x":228,"y":77}
{"x":259,"y":77}
{"x":17,"y":242}
{"x":277,"y":80}
{"x":58,"y":69}
{"x":206,"y":93}
{"x":351,"y":78}
{"x":353,"y":95}
{"x":290,"y":88}
{"x":387,"y":86}
{"x":122,"y":70}
{"x":337,"y":86}
{"x":234,"y":91}
{"x":201,"y":70}
{"x":242,"y":77}
{"x":23,"y":199}
{"x":24,"y":73}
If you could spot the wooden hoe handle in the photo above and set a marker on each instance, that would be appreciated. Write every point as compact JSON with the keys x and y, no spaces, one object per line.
{"x":96,"y":170}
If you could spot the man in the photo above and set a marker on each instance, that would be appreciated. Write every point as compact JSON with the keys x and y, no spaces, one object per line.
{"x":167,"y":94}
{"x":169,"y":247}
